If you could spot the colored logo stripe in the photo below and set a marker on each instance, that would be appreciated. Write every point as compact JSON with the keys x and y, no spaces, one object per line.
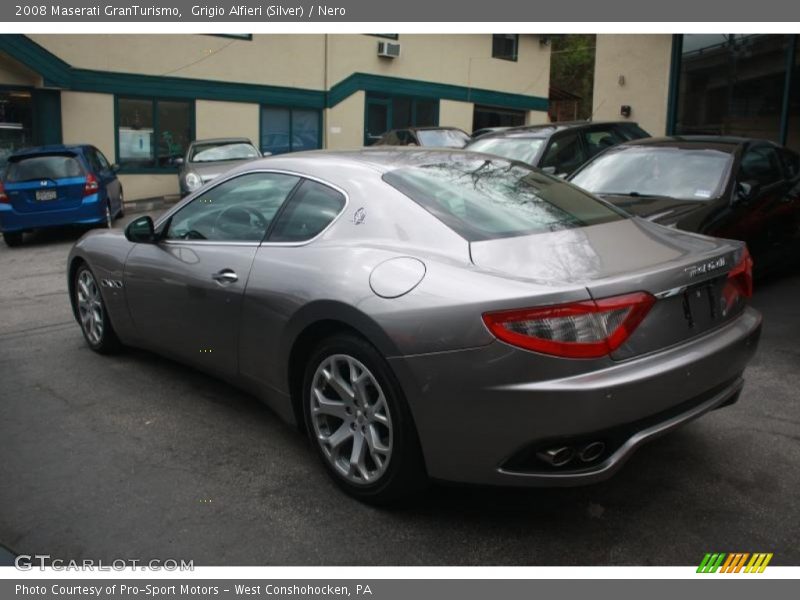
{"x":734,"y":562}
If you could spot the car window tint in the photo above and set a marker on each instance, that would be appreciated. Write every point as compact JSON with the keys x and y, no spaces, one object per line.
{"x":564,"y":154}
{"x":597,"y":140}
{"x":52,"y":166}
{"x":792,"y":162}
{"x":104,"y":164}
{"x":310,"y":211}
{"x":482,"y":199}
{"x":237,"y":210}
{"x":760,"y":164}
{"x":94,"y":160}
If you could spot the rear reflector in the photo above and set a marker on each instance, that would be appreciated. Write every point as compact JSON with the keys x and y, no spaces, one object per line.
{"x":91,"y":186}
{"x":587,"y":329}
{"x":3,"y":196}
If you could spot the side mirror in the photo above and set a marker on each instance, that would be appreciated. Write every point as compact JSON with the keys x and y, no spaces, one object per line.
{"x":141,"y":231}
{"x":115,"y":168}
{"x":177,"y":161}
{"x":549,"y":170}
{"x":745,"y":190}
{"x":266,"y":153}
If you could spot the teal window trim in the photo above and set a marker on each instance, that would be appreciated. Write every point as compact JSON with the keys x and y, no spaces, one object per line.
{"x":154,"y":170}
{"x":674,"y":83}
{"x":787,"y":88}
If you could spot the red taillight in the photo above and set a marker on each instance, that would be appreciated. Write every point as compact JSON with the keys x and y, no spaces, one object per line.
{"x":587,"y":329}
{"x":91,"y":186}
{"x":741,"y":276}
{"x":3,"y":196}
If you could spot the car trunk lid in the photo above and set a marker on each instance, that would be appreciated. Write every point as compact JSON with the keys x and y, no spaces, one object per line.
{"x":686,"y":273}
{"x":45,"y":182}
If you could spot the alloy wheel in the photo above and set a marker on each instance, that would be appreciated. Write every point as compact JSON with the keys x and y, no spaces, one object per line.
{"x":90,"y":307}
{"x":109,"y":216}
{"x":351,"y":419}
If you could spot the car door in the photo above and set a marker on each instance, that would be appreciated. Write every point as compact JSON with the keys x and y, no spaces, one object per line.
{"x":564,"y":153}
{"x":106,"y":176}
{"x":185,"y":292}
{"x":757,"y":216}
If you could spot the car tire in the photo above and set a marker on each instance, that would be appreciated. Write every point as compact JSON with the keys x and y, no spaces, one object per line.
{"x":121,"y":212}
{"x":13,"y":238}
{"x":91,"y":313}
{"x":373,"y":417}
{"x":109,"y":220}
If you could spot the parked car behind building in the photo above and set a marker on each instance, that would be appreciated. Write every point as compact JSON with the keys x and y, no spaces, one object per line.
{"x":558,"y":148}
{"x":57,"y":185}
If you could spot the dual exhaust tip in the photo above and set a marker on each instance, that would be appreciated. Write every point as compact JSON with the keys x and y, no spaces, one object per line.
{"x":563,"y":455}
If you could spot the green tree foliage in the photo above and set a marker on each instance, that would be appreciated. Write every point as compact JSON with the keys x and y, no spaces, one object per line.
{"x":572,"y":68}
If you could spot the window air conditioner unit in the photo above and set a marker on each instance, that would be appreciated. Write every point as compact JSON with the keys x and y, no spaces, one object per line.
{"x":388,"y":50}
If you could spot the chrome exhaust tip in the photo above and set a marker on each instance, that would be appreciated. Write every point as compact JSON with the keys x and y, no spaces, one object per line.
{"x":556,"y":457}
{"x":591,"y":452}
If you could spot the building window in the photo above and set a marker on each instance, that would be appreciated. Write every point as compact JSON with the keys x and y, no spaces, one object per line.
{"x":505,"y":46}
{"x":384,"y":113}
{"x":15,"y":123}
{"x":285,"y":129}
{"x":732,"y":85}
{"x":151,"y":134}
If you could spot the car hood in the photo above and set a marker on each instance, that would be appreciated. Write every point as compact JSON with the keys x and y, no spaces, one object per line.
{"x":627,"y":255}
{"x":212,"y":170}
{"x":659,"y":209}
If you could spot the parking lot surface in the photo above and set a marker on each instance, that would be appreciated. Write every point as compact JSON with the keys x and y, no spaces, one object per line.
{"x":134,"y":456}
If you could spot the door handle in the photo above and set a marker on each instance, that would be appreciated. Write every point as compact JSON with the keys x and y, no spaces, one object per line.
{"x":225,"y":276}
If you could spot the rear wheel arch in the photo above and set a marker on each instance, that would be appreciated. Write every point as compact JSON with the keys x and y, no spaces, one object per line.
{"x":315,"y":323}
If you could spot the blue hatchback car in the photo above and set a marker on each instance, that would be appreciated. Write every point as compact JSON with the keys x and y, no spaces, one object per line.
{"x":50,"y":186}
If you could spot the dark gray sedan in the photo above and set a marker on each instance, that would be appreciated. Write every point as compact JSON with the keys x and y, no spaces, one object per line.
{"x":208,"y":159}
{"x":431,"y":314}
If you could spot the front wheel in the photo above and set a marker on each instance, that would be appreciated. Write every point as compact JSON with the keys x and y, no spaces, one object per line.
{"x":92,"y":313}
{"x":360,"y":423}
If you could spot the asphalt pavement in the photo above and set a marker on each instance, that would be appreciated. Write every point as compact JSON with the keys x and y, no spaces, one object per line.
{"x":135,"y":456}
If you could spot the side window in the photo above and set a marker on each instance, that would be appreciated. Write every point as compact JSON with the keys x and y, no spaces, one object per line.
{"x":104,"y":164}
{"x":94,"y":162}
{"x":762,"y":165}
{"x":792,"y":162}
{"x":565,"y":154}
{"x":310,"y":211}
{"x":597,"y":140}
{"x":238,"y":210}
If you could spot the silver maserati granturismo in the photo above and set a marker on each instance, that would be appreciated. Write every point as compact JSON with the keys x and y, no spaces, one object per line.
{"x":430,"y":314}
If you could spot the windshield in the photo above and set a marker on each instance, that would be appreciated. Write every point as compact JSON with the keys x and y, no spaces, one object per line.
{"x":483,"y":199}
{"x":657,"y":171}
{"x":223,"y":151}
{"x":522,"y":149}
{"x":53,"y":166}
{"x":442,"y":138}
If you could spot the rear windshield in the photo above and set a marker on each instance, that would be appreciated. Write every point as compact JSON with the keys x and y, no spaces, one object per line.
{"x":442,"y":138}
{"x":50,"y":166}
{"x":522,"y":149}
{"x":484,"y":199}
{"x":224,"y":151}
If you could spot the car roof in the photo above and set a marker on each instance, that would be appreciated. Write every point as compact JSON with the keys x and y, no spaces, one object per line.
{"x":724,"y":143}
{"x":222,"y":140}
{"x":50,"y":149}
{"x":429,"y":128}
{"x":547,"y":129}
{"x":378,"y":158}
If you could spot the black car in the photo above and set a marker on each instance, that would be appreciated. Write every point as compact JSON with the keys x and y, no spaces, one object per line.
{"x":731,"y":187}
{"x":433,"y":137}
{"x":558,"y":148}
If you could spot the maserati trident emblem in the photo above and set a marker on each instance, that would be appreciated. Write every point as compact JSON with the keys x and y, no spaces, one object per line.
{"x":706,"y":267}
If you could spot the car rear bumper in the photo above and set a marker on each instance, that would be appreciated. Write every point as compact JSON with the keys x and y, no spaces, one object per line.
{"x":484,"y":414}
{"x":90,"y":211}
